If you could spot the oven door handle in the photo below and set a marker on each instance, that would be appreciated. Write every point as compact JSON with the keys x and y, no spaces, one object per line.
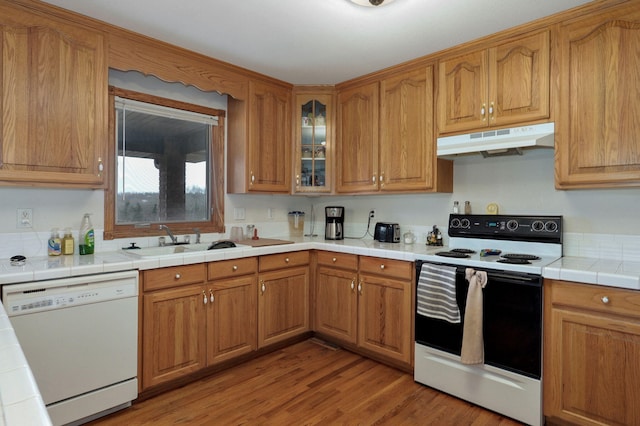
{"x":515,"y":279}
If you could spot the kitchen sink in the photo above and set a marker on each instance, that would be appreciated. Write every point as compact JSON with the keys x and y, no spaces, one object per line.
{"x":174,"y":249}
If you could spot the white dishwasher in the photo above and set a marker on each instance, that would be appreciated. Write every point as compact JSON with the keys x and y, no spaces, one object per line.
{"x":80,"y":337}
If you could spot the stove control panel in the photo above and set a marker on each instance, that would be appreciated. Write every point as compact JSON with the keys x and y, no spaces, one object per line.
{"x":515,"y":228}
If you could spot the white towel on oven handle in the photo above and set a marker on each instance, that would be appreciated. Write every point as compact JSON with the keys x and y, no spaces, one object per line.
{"x":436,"y":293}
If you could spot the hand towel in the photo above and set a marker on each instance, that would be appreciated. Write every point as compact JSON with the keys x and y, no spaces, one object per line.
{"x":472,"y":337}
{"x":437,"y":293}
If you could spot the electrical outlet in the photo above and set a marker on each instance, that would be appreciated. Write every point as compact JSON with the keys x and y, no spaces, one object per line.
{"x":24,"y":218}
{"x":372,"y":213}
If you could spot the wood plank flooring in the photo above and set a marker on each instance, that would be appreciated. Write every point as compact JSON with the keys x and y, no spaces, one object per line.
{"x":306,"y":384}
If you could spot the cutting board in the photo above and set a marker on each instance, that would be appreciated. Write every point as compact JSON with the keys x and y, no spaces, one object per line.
{"x":264,"y":242}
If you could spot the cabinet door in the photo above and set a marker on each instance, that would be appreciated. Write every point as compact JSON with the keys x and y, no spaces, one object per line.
{"x":594,"y":363}
{"x":519,"y":80}
{"x":174,"y":333}
{"x":337,"y":303}
{"x":231,"y":318}
{"x":313,"y":144}
{"x":407,"y":140}
{"x":357,"y":140}
{"x":269,"y":138}
{"x":283,"y":304}
{"x":597,"y":140}
{"x":384,"y":313}
{"x":54,"y":101}
{"x":462,"y":92}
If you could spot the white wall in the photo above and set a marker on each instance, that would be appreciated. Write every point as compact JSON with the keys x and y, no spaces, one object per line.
{"x":518,"y":184}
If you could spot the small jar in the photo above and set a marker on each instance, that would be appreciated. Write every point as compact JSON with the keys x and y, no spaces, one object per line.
{"x":467,"y":207}
{"x":456,"y":207}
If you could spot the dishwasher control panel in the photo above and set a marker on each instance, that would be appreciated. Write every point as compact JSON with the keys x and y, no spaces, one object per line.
{"x":19,"y":299}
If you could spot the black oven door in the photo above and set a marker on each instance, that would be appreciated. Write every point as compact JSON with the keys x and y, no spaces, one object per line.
{"x":512,"y":324}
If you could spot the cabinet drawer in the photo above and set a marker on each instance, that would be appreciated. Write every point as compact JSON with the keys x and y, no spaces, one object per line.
{"x":596,"y":298}
{"x":386,"y":267}
{"x":174,"y":276}
{"x":232,"y":268}
{"x":338,"y":260}
{"x":283,"y":260}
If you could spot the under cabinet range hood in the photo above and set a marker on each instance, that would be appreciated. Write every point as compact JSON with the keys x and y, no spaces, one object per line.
{"x":493,"y":143}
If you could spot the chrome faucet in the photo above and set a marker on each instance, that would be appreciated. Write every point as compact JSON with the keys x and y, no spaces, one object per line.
{"x":197,"y":231}
{"x":174,"y":240}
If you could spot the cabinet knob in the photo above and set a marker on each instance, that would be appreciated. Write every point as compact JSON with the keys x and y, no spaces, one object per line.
{"x":235,"y":267}
{"x":263,"y":287}
{"x":253,"y":178}
{"x":483,"y":112}
{"x":605,"y":299}
{"x":373,"y":179}
{"x":491,"y":111}
{"x":382,"y":266}
{"x":286,"y":260}
{"x":178,"y":276}
{"x":204,"y":297}
{"x":360,"y":287}
{"x":100,"y":166}
{"x":211,"y":298}
{"x":334,"y":260}
{"x":353,"y":284}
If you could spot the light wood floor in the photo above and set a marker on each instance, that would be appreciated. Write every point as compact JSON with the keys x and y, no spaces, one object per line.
{"x":306,"y":384}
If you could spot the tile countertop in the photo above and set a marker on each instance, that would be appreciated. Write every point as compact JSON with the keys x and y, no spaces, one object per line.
{"x":19,"y":396}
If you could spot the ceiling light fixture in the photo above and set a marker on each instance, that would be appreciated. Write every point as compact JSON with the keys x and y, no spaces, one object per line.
{"x":372,"y":3}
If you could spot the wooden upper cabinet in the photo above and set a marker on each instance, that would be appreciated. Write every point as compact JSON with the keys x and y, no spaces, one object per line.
{"x":269,"y":150}
{"x":407,"y":139}
{"x":54,"y":100}
{"x":357,"y":139}
{"x":597,"y":140}
{"x":505,"y":84}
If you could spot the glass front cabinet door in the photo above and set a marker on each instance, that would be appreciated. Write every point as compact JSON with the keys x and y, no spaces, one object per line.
{"x":313,"y":143}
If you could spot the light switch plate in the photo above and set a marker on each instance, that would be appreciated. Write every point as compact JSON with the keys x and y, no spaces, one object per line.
{"x":238,"y":213}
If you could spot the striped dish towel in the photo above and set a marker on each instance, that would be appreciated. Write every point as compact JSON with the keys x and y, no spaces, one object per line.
{"x":437,"y":293}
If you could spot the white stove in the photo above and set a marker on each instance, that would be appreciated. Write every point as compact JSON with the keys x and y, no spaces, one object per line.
{"x":508,"y":378}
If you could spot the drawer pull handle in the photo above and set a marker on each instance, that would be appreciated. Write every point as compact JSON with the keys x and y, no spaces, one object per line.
{"x":605,"y":299}
{"x":211,"y":298}
{"x":263,"y":287}
{"x":235,"y":268}
{"x":205,"y":300}
{"x":334,"y":260}
{"x":360,"y":287}
{"x":353,"y":284}
{"x":178,"y":276}
{"x":382,"y":266}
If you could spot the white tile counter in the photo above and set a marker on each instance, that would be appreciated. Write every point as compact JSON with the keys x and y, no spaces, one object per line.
{"x":21,"y":403}
{"x":20,"y":400}
{"x":606,"y":272}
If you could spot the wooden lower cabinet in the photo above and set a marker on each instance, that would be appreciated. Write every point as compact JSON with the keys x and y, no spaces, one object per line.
{"x":370,"y":306}
{"x":190,"y":322}
{"x":592,"y":354}
{"x":336,"y":312}
{"x":283,"y":297}
{"x":385,"y":307}
{"x":174,"y":333}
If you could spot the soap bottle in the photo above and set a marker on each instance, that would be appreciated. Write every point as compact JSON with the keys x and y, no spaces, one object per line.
{"x":53,"y":246}
{"x":87,"y":238}
{"x":67,"y":242}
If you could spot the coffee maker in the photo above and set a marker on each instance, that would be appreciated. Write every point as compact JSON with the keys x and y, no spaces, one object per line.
{"x":334,"y":223}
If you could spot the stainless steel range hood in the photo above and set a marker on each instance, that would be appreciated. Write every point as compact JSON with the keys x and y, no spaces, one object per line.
{"x":498,"y":142}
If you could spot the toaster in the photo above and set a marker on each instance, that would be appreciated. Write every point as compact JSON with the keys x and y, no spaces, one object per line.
{"x":387,"y":232}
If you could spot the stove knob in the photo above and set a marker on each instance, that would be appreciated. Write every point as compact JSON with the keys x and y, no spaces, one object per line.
{"x":551,"y":226}
{"x":537,"y":226}
{"x":455,"y":223}
{"x":465,"y":223}
{"x":512,"y":225}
